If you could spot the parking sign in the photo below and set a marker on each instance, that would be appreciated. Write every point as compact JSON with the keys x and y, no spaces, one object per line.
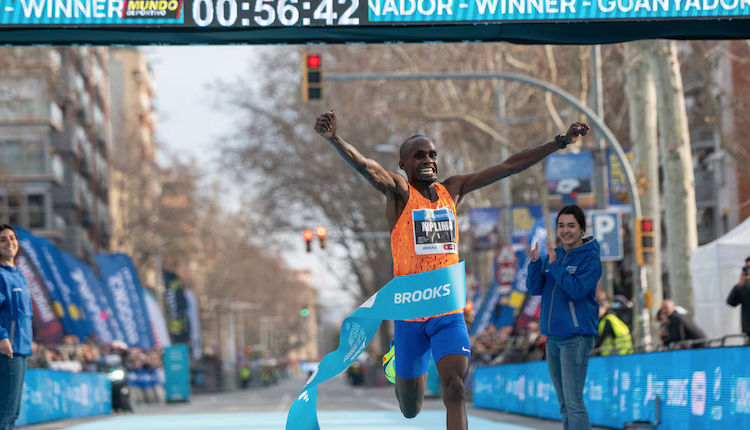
{"x":607,"y":228}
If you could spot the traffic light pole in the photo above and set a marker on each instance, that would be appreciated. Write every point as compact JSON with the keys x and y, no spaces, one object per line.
{"x":642,"y":316}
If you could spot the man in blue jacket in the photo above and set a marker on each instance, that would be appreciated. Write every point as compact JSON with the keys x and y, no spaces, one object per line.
{"x":15,"y":329}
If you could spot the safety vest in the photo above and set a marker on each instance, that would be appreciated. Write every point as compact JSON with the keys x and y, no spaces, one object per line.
{"x":622,"y":343}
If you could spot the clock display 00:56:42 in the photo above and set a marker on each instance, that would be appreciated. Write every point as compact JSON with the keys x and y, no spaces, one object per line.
{"x":275,"y":13}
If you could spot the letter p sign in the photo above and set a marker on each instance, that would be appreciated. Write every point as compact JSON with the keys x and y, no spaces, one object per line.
{"x":607,"y":231}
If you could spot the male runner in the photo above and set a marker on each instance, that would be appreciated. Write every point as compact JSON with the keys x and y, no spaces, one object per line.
{"x":424,"y":236}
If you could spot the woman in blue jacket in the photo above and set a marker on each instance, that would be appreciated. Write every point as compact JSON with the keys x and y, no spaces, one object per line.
{"x":15,"y":329}
{"x":566,"y":279}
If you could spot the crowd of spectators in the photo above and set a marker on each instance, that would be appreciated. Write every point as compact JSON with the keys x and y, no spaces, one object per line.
{"x":507,"y":345}
{"x":144,"y":368}
{"x":677,"y":330}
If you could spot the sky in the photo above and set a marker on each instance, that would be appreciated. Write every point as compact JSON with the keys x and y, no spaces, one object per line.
{"x":191,"y":124}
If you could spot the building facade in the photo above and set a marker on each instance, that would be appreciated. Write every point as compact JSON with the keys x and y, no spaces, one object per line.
{"x":54,"y":145}
{"x":135,"y":186}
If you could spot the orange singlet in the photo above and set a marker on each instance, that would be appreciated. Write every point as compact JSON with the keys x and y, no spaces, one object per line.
{"x":425,"y":236}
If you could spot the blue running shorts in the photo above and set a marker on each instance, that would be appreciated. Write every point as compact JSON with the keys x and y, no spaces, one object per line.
{"x":413,"y":341}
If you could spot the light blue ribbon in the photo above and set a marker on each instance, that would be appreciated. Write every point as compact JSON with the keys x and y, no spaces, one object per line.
{"x":405,"y":297}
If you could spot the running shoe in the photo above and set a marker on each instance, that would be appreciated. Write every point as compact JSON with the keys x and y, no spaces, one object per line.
{"x":389,"y":366}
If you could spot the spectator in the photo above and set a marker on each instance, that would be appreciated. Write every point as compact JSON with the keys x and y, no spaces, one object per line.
{"x":613,"y":337}
{"x":567,"y":280}
{"x":740,"y":295}
{"x":679,"y":327}
{"x":15,"y":329}
{"x":38,"y":359}
{"x":536,"y":341}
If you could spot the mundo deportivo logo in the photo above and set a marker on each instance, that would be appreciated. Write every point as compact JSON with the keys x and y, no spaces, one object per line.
{"x":151,"y":9}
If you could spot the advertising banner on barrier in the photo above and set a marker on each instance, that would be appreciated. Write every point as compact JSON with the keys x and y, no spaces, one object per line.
{"x":125,"y":292}
{"x":53,"y":273}
{"x":93,"y":299}
{"x":52,"y":395}
{"x":46,"y":323}
{"x":698,"y":389}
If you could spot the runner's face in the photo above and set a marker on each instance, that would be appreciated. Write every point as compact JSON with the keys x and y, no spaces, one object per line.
{"x":421,"y":163}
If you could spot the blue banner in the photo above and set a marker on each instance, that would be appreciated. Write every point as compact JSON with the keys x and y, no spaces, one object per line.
{"x":53,"y":395}
{"x":94,"y":301}
{"x":405,"y":297}
{"x":195,"y":324}
{"x":570,"y":173}
{"x":125,"y":292}
{"x":49,"y":264}
{"x":392,"y":11}
{"x":47,"y":327}
{"x":91,"y":12}
{"x":176,"y":307}
{"x":530,"y":306}
{"x":484,"y":227}
{"x":484,"y":315}
{"x":618,"y":182}
{"x":177,"y":373}
{"x":697,"y":389}
{"x":524,"y":219}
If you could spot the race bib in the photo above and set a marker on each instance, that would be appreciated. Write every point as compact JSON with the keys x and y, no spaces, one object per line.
{"x":434,"y":231}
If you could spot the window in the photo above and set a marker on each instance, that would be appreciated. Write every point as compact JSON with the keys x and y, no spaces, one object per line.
{"x":14,"y":210}
{"x":36,"y":211}
{"x":22,"y":157}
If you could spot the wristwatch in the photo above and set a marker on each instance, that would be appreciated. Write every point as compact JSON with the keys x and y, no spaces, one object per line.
{"x":561,"y":142}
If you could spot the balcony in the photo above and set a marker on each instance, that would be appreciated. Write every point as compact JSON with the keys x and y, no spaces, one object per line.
{"x":28,"y":101}
{"x":87,"y":219}
{"x":703,"y":136}
{"x":30,"y":160}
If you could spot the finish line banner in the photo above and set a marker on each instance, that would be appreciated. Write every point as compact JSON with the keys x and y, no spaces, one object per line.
{"x":405,"y":297}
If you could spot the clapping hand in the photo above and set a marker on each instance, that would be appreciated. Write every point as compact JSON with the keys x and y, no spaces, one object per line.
{"x":551,"y":252}
{"x":533,"y":253}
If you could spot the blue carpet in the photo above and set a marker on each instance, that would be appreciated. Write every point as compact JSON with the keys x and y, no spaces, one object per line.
{"x":329,"y":420}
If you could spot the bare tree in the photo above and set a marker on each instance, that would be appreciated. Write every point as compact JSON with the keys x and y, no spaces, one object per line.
{"x":642,"y":111}
{"x":676,"y":156}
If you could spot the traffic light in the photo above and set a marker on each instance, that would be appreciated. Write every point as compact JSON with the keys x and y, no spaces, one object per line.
{"x":312,"y":77}
{"x":305,"y":312}
{"x":322,"y":234}
{"x":308,"y":235}
{"x":644,"y":231}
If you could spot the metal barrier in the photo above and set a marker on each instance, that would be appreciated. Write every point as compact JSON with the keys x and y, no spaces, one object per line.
{"x":720,"y":342}
{"x":696,"y":389}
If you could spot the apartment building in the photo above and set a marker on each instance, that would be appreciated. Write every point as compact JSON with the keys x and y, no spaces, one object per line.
{"x":55,"y":139}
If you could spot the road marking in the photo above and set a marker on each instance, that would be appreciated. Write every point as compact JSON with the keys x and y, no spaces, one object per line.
{"x":384,"y":405}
